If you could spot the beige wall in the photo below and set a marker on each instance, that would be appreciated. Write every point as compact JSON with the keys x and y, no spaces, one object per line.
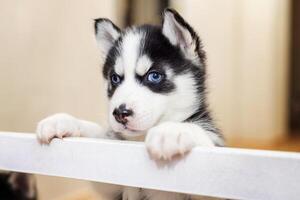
{"x":49,"y":63}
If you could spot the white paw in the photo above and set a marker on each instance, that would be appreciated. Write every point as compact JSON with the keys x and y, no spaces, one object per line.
{"x":58,"y":125}
{"x":170,"y":139}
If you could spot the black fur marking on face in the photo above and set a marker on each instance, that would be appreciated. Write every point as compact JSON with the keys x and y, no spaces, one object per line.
{"x":108,"y":67}
{"x":167,"y":56}
{"x":112,"y":87}
{"x":111,"y":57}
{"x":164,"y":86}
{"x":164,"y":55}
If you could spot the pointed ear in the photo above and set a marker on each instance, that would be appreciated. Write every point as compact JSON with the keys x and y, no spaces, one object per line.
{"x":106,"y":34}
{"x":181,"y":34}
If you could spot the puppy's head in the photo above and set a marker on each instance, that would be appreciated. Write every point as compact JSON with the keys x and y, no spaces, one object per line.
{"x":153,"y":73}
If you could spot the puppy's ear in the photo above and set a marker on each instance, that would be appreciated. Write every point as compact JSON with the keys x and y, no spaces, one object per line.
{"x":181,"y":34}
{"x":106,"y":34}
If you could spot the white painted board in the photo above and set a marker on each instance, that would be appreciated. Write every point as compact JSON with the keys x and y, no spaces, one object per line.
{"x":219,"y":172}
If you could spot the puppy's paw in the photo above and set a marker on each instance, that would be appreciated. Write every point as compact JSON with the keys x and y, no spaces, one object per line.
{"x":170,"y":139}
{"x":59,"y":126}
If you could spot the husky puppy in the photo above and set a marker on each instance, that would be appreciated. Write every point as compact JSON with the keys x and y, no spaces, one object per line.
{"x":155,"y":83}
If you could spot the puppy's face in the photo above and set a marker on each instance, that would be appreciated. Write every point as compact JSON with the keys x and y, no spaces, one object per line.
{"x":153,"y":74}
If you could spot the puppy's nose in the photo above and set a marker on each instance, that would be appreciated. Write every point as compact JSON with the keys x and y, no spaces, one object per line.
{"x":121,"y":113}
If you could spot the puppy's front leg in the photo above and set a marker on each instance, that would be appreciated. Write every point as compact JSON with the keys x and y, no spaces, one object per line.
{"x":64,"y":125}
{"x":169,"y":139}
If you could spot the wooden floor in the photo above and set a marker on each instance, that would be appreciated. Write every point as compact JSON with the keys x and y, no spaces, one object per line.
{"x":289,"y":144}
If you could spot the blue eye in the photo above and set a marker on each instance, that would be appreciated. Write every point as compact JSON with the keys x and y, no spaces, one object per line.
{"x":115,"y":79}
{"x":154,"y":77}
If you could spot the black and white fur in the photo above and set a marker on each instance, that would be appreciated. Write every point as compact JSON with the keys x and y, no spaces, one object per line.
{"x":171,"y":115}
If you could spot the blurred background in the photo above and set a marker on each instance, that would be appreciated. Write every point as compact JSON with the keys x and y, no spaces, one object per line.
{"x":49,"y":63}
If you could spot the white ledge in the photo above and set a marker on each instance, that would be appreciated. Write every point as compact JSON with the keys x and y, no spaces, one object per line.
{"x":220,"y":172}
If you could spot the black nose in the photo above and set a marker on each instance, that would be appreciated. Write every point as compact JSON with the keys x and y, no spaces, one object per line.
{"x":122,"y":113}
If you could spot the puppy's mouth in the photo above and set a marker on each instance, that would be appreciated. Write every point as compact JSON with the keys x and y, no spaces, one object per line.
{"x":132,"y":133}
{"x":129,"y":129}
{"x":126,"y":127}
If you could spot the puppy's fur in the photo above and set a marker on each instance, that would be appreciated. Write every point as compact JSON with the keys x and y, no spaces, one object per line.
{"x":155,"y":82}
